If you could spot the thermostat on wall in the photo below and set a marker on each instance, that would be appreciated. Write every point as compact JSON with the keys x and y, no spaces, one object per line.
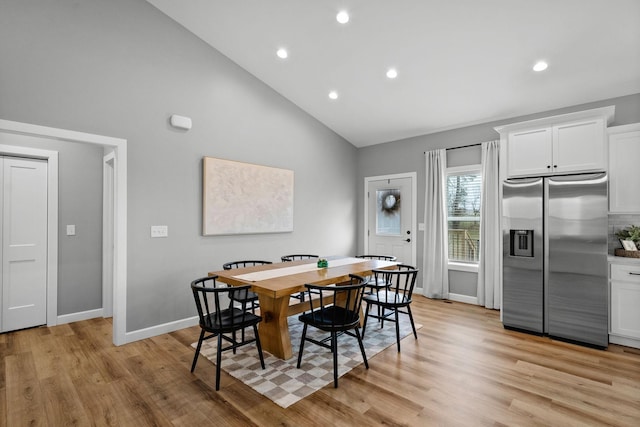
{"x":181,"y":122}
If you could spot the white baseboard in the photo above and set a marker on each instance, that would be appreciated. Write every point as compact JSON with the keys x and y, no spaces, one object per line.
{"x":454,"y":297}
{"x":629,"y":342}
{"x":76,"y":317}
{"x":463,"y":298}
{"x":164,"y":328}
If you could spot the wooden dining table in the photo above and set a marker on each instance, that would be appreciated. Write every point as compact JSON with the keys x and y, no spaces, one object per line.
{"x":275,"y":283}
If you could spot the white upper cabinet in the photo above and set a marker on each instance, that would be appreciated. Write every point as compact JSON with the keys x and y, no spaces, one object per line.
{"x":530,"y":152}
{"x":568,"y":143}
{"x":580,"y":146}
{"x":624,"y":157}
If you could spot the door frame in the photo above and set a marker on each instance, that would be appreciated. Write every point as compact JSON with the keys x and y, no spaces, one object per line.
{"x":108,"y":244}
{"x":119,"y":148}
{"x":413,"y":176}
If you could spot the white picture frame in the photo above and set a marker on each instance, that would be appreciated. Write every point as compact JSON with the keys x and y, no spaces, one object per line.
{"x":629,"y":245}
{"x":244,"y":198}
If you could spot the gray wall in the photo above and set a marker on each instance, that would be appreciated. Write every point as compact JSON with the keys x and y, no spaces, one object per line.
{"x":80,"y":204}
{"x":121,"y":68}
{"x":407,"y":156}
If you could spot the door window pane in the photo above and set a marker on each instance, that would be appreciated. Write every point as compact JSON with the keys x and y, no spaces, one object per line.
{"x":463,"y":216}
{"x":388,"y":212}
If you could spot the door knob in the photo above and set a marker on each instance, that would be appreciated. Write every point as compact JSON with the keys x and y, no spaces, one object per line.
{"x":408,"y":240}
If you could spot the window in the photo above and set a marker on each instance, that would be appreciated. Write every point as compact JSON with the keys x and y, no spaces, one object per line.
{"x":388,"y":219}
{"x":463,"y":213}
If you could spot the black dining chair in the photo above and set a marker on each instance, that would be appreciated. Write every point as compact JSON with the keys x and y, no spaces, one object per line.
{"x":372,"y":285}
{"x":380,"y":257}
{"x":394,"y":299}
{"x":334,"y":309}
{"x":245,"y":298}
{"x":296,"y":257}
{"x":219,"y":321}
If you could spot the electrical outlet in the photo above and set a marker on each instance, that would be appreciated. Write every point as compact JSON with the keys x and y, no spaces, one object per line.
{"x":159,"y":231}
{"x":71,"y":230}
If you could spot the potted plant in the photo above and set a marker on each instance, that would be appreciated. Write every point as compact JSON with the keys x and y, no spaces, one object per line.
{"x":629,"y":234}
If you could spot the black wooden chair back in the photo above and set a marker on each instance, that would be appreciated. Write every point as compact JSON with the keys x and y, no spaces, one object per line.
{"x":379,"y":257}
{"x":246,"y":298}
{"x":296,"y":257}
{"x":243,"y":263}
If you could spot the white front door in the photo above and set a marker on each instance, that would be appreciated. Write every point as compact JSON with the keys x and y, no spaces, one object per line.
{"x":391,"y":217}
{"x":24,"y":243}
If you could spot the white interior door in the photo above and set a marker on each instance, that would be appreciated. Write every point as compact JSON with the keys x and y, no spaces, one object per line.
{"x":24,"y":243}
{"x":390,"y":218}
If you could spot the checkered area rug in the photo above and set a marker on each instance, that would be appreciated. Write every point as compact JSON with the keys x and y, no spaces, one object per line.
{"x":285,"y":384}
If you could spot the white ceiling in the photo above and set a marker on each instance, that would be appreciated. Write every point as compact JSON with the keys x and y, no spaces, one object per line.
{"x":459,"y":62}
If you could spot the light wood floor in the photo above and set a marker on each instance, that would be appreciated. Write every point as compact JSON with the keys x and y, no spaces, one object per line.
{"x":464,"y":370}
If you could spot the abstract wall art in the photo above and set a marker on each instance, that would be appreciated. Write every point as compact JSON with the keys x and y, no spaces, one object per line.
{"x":244,"y":198}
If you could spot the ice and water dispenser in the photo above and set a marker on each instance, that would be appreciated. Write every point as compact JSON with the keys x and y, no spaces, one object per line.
{"x":521,"y":243}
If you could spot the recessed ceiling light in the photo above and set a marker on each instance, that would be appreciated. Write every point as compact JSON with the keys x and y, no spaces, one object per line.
{"x":333,"y":95}
{"x":342,"y":17}
{"x":392,"y":73}
{"x":540,"y":66}
{"x":282,"y":53}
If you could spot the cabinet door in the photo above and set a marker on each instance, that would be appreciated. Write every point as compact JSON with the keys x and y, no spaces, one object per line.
{"x":624,"y":155}
{"x":625,"y":316}
{"x":625,"y":300}
{"x":529,"y":152}
{"x":579,"y":147}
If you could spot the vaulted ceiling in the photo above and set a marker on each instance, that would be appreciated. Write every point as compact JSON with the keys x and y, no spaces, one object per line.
{"x":458,"y":62}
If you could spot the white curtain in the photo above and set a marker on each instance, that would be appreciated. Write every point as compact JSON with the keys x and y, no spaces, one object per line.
{"x":490,"y":233}
{"x":435,"y":273}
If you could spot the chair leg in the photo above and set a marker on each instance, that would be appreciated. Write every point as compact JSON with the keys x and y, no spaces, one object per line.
{"x":255,"y":331}
{"x":334,"y":350}
{"x":195,"y":356}
{"x":413,"y":326}
{"x":218,"y":361}
{"x":244,"y":308}
{"x":304,"y":335}
{"x":364,"y":355}
{"x":397,"y":329}
{"x":366,"y":316}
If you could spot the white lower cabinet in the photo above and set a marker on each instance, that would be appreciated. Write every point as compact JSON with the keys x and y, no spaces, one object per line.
{"x":625,"y":304}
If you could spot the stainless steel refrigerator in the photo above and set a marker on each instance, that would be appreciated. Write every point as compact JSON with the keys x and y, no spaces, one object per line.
{"x":555,"y":257}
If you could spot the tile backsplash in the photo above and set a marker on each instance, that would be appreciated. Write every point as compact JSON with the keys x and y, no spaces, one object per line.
{"x":617,"y":222}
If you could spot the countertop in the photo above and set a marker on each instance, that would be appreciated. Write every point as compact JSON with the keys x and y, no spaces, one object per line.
{"x":623,"y":260}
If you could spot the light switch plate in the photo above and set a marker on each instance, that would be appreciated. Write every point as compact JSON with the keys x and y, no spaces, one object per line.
{"x":159,"y":231}
{"x":421,"y":226}
{"x":71,"y":230}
